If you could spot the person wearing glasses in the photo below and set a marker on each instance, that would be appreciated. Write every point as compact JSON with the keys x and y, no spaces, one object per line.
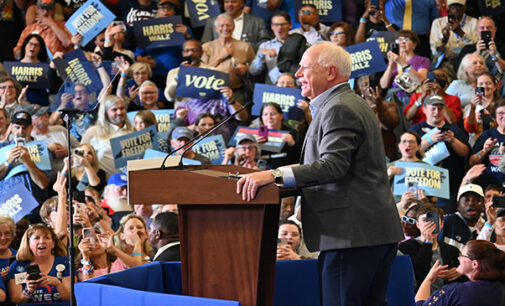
{"x":426,"y":249}
{"x":269,"y":55}
{"x":483,"y":264}
{"x":11,"y":95}
{"x":148,"y":98}
{"x":341,"y":33}
{"x":409,"y":219}
{"x":245,"y":154}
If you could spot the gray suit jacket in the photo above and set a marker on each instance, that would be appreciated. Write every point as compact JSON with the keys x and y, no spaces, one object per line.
{"x":347,"y":201}
{"x":254,"y":31}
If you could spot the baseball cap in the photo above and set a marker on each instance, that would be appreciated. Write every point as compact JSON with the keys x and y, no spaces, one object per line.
{"x":118,"y":179}
{"x":166,"y":3}
{"x":462,"y":2}
{"x":470,"y":188}
{"x":243,"y":137}
{"x":22,"y":117}
{"x":49,"y":4}
{"x":182,"y":131}
{"x":433,"y":100}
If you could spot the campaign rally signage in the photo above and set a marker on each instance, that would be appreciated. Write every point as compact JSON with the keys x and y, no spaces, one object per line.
{"x":385,"y":39}
{"x":274,"y":143}
{"x":133,"y":145}
{"x":201,"y":10}
{"x":79,"y":70}
{"x":366,"y":59}
{"x":38,"y":153}
{"x":212,"y":147}
{"x":434,"y":181}
{"x":33,"y":74}
{"x":150,"y":153}
{"x":201,"y":83}
{"x":89,"y":20}
{"x":163,"y":118}
{"x":437,"y":152}
{"x":284,"y":96}
{"x":329,"y":10}
{"x":491,"y":7}
{"x":17,"y":203}
{"x":158,"y":30}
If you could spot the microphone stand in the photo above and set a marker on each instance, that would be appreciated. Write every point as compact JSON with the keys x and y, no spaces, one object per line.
{"x":200,"y":137}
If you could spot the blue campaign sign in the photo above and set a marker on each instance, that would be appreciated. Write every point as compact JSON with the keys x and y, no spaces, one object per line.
{"x":434,"y":181}
{"x":329,"y":10}
{"x":212,"y":147}
{"x":201,"y":10}
{"x":17,"y":203}
{"x":158,"y":30}
{"x":89,"y":20}
{"x":201,"y":83}
{"x":384,"y":39}
{"x":285,"y":97}
{"x":33,"y":74}
{"x":437,"y":152}
{"x":132,"y":146}
{"x":38,"y":153}
{"x":82,"y":71}
{"x":491,"y":7}
{"x":366,"y":59}
{"x":274,"y":143}
{"x":150,"y":153}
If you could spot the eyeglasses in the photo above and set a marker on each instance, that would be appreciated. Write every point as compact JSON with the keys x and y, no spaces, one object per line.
{"x":402,"y":39}
{"x":245,"y":148}
{"x":408,"y":220}
{"x":190,"y":50}
{"x":284,"y":24}
{"x":140,"y":73}
{"x":7,"y":87}
{"x":147,"y":92}
{"x":463,"y":255}
{"x":336,"y":33}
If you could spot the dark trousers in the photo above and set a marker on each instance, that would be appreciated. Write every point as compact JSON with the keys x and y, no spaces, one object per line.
{"x":355,"y":276}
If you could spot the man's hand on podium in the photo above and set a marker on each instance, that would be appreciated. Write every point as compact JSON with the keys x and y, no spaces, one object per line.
{"x":249,"y":184}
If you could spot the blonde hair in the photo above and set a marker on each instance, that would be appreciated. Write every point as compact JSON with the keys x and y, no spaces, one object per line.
{"x":139,"y":66}
{"x":94,"y":163}
{"x":8,"y":221}
{"x":25,"y":253}
{"x":121,"y":244}
{"x":48,"y":206}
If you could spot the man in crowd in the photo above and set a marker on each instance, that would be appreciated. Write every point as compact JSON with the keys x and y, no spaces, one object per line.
{"x":115,"y":197}
{"x":311,"y":28}
{"x":164,"y":236}
{"x":55,"y":34}
{"x":248,"y":28}
{"x":355,"y":259}
{"x":443,"y":137}
{"x":180,"y":137}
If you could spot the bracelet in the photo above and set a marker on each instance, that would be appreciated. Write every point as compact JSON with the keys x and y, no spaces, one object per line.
{"x":124,"y":74}
{"x":429,"y":242}
{"x":88,"y":271}
{"x":231,"y":103}
{"x":7,"y":164}
{"x":261,"y":55}
{"x":86,"y":262}
{"x":479,"y":156}
{"x":430,"y":141}
{"x":136,"y":253}
{"x":418,"y":103}
{"x":362,"y":20}
{"x":107,"y":40}
{"x":64,"y":174}
{"x":494,"y":58}
{"x":389,"y":26}
{"x":488,"y":225}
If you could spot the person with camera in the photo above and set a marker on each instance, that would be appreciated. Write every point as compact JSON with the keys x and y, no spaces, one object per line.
{"x":41,"y":270}
{"x":426,"y":248}
{"x":436,"y":83}
{"x":373,"y":20}
{"x":245,"y":154}
{"x":289,"y":241}
{"x":311,"y":28}
{"x":451,"y":33}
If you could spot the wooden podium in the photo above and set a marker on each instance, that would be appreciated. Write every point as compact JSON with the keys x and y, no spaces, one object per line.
{"x":228,"y":245}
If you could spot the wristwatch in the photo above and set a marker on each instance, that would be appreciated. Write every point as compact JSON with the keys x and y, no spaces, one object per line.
{"x":277,"y":174}
{"x":418,"y":103}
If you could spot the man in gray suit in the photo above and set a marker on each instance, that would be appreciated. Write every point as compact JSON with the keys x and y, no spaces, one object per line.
{"x":348,"y":211}
{"x":248,"y":28}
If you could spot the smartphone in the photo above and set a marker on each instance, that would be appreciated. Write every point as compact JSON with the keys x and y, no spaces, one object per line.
{"x":499,"y":201}
{"x":395,"y":48}
{"x":486,"y":37}
{"x":80,"y":207}
{"x":79,"y":152}
{"x":444,"y":129}
{"x":282,"y":241}
{"x":88,"y":234}
{"x":263,"y":131}
{"x":479,"y":91}
{"x":373,"y":82}
{"x":412,"y":187}
{"x":33,"y":271}
{"x":375,"y":3}
{"x":430,"y":77}
{"x":432,"y":216}
{"x":20,"y":141}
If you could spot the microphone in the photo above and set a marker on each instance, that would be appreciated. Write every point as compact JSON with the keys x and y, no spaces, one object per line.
{"x":200,"y":137}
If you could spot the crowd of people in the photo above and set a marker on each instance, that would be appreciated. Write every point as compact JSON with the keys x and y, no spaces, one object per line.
{"x":441,"y":89}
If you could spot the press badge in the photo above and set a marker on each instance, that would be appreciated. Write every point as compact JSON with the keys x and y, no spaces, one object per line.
{"x":20,"y":278}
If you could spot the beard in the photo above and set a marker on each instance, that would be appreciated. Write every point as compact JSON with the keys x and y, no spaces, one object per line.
{"x":119,"y":203}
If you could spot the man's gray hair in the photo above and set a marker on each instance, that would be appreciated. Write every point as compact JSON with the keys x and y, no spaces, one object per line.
{"x":224,"y":15}
{"x":147,"y":83}
{"x":334,"y":55}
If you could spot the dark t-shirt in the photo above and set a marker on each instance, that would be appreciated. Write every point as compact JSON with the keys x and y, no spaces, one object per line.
{"x":492,"y":175}
{"x":130,"y":11}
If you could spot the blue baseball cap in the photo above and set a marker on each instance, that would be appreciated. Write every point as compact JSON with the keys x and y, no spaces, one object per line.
{"x":182,"y":131}
{"x":118,"y":179}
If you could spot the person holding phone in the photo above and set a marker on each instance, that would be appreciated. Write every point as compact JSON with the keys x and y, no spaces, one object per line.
{"x":426,"y":248}
{"x":373,"y":20}
{"x":40,"y":246}
{"x":290,"y":237}
{"x":245,"y":154}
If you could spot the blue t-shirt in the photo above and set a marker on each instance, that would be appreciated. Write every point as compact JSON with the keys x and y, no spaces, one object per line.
{"x":4,"y":262}
{"x":47,"y":293}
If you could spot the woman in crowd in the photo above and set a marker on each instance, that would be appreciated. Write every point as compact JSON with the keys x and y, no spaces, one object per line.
{"x":245,"y":154}
{"x":483,"y":264}
{"x":289,"y":240}
{"x":132,"y":246}
{"x":405,"y":62}
{"x":93,"y":260}
{"x":5,"y":129}
{"x":7,"y":233}
{"x":139,"y":72}
{"x":341,"y":34}
{"x":272,"y":117}
{"x":115,"y":36}
{"x":495,"y":223}
{"x":477,"y":114}
{"x":144,"y":119}
{"x":41,"y":247}
{"x":204,"y":122}
{"x":11,"y":95}
{"x":464,"y":87}
{"x":410,"y":150}
{"x":409,"y":218}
